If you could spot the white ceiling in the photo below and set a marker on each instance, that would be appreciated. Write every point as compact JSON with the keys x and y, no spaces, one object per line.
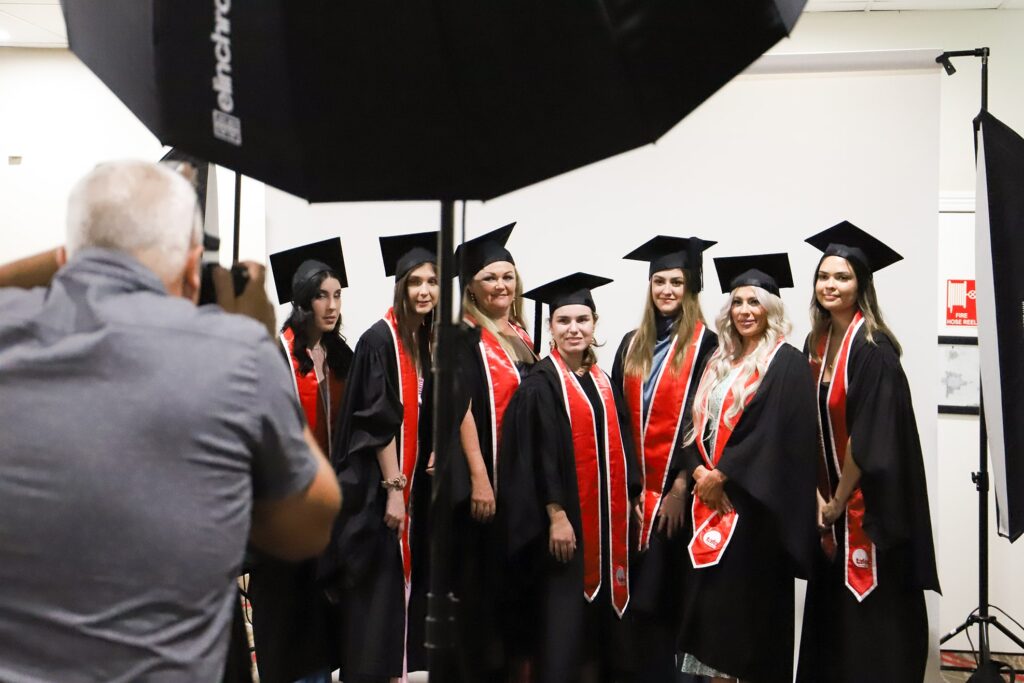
{"x":32,"y":23}
{"x":39,"y":23}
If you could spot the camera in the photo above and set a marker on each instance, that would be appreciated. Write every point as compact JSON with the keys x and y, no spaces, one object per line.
{"x":207,"y":293}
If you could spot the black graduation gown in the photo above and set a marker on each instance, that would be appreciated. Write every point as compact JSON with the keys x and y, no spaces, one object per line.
{"x":891,"y":624}
{"x":478,"y":558}
{"x":537,"y":467}
{"x":656,"y":573}
{"x":363,"y":563}
{"x":738,"y":615}
{"x":295,"y":627}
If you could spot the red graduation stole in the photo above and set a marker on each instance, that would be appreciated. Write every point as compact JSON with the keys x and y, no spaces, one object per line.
{"x":712,"y":531}
{"x":861,"y":556}
{"x":408,"y":436}
{"x":588,"y":474}
{"x":308,"y":391}
{"x":502,"y":381}
{"x":656,"y":440}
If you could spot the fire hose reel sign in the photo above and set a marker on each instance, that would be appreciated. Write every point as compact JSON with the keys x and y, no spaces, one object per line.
{"x":961,"y":303}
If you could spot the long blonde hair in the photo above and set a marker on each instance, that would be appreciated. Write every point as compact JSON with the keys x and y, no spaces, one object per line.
{"x":730,"y":350}
{"x":640,"y":355}
{"x":515,"y":315}
{"x":867,"y":302}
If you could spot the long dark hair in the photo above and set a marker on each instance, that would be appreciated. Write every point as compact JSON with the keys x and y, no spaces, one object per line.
{"x":339,"y":354}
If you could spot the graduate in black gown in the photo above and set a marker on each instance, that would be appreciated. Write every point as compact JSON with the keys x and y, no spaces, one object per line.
{"x":377,"y":558}
{"x":294,"y":624}
{"x":657,"y":369}
{"x":865,"y":616}
{"x":752,"y":453}
{"x":568,"y":487}
{"x":490,"y":365}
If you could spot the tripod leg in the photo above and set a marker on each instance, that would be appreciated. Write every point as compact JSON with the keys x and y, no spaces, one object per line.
{"x":958,"y":630}
{"x":1006,"y":632}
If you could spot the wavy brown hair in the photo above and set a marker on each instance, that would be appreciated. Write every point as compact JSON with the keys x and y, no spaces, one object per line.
{"x":415,"y":340}
{"x":640,"y":355}
{"x":867,"y":302}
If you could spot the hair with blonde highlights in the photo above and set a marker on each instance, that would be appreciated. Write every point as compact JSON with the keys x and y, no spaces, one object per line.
{"x":730,"y":351}
{"x":515,"y":315}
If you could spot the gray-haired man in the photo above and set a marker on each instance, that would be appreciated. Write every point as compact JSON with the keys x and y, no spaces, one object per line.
{"x":143,"y":441}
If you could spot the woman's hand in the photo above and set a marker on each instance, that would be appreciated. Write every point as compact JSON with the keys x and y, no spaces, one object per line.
{"x":671,"y":514}
{"x":430,"y":464}
{"x":711,"y":490}
{"x":822,"y":526}
{"x":482,"y":505}
{"x":394,"y":512}
{"x":638,"y":510}
{"x":562,"y":542}
{"x":832,"y":511}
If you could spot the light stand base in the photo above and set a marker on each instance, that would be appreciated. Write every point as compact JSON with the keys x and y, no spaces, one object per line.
{"x":988,"y":670}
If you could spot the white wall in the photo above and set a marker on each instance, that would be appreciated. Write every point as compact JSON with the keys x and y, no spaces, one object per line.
{"x":1001,"y":30}
{"x":61,"y":120}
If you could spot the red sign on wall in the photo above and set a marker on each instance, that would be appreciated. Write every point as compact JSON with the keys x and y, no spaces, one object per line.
{"x":961,"y":303}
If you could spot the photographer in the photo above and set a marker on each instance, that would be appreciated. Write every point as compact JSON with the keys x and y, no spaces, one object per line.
{"x":144,"y":441}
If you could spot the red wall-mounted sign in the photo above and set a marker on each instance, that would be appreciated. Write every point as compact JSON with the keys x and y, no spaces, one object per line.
{"x":961,"y":303}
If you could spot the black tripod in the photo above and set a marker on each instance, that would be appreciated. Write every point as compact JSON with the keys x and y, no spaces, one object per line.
{"x":987,"y":670}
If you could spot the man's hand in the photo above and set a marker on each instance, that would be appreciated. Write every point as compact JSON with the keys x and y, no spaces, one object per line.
{"x":253,"y":300}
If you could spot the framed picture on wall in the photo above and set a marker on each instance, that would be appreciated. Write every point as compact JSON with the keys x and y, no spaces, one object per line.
{"x":959,"y":376}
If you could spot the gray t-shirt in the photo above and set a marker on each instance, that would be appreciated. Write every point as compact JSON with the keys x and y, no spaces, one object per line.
{"x":135,"y":432}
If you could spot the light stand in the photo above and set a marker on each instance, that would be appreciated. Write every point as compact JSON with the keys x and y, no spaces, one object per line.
{"x":987,"y":670}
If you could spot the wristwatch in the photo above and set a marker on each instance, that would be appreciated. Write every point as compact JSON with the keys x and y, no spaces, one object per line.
{"x":396,"y":484}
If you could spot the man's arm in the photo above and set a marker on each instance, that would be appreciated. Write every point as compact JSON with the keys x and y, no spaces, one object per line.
{"x":299,"y":526}
{"x":32,"y":271}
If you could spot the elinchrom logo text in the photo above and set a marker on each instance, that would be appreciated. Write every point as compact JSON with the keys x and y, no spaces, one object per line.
{"x":226,"y":126}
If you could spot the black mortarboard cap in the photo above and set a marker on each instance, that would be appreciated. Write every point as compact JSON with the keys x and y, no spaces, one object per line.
{"x":474,"y":255}
{"x":853,"y":244}
{"x":767,"y":271}
{"x":665,"y":253}
{"x":402,"y":253}
{"x":294,"y":267}
{"x":571,"y":289}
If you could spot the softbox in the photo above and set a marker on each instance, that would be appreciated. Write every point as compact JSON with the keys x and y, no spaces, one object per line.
{"x":1000,"y":286}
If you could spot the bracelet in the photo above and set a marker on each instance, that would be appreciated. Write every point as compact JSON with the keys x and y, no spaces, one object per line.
{"x":396,"y":484}
{"x":675,"y":495}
